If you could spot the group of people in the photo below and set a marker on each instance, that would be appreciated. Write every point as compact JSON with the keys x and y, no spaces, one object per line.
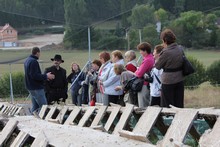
{"x":106,"y":79}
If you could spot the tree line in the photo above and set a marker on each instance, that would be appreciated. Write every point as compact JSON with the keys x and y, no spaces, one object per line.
{"x":194,"y":21}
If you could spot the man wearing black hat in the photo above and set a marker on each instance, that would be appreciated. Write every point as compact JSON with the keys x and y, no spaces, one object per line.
{"x":56,"y":89}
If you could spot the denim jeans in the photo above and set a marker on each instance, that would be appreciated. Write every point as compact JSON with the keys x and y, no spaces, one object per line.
{"x":38,"y":99}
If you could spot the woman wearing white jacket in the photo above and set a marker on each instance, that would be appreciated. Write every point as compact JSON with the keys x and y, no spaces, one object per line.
{"x":114,"y":95}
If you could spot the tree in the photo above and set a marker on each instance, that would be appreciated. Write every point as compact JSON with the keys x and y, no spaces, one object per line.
{"x":141,"y":16}
{"x":189,"y":26}
{"x":76,"y":17}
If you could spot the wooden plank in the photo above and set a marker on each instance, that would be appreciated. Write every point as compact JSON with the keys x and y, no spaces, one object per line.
{"x":86,"y":116}
{"x":20,"y":111}
{"x":13,"y":111}
{"x":42,"y":111}
{"x":4,"y":109}
{"x":211,"y":138}
{"x":40,"y":141}
{"x":7,"y":131}
{"x":8,"y":110}
{"x":60,"y":116}
{"x":179,"y":127}
{"x":131,"y":135}
{"x":72,"y":115}
{"x":111,"y":118}
{"x":20,"y":139}
{"x":147,"y":120}
{"x":124,"y":118}
{"x":50,"y":113}
{"x":99,"y":116}
{"x":144,"y":125}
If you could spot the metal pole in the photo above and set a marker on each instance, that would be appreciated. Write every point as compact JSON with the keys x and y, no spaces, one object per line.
{"x":89,"y":62}
{"x":140,"y":38}
{"x":89,"y":43}
{"x":11,"y":86}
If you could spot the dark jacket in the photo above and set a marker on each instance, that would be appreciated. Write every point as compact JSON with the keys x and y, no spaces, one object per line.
{"x":59,"y":82}
{"x":77,"y":85}
{"x":34,"y":80}
{"x":57,"y":88}
{"x":170,"y":58}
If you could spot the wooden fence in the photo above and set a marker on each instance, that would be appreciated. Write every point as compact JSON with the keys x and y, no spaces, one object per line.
{"x":153,"y":125}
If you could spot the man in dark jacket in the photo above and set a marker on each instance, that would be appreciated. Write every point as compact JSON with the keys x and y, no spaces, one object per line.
{"x":34,"y":80}
{"x":56,"y":89}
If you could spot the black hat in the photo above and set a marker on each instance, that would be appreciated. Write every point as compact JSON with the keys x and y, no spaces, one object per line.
{"x":57,"y":57}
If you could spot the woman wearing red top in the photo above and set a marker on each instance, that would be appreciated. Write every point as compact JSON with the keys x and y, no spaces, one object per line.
{"x":130,"y":57}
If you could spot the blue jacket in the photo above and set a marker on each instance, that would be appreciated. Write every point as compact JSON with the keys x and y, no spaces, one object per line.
{"x":34,"y":80}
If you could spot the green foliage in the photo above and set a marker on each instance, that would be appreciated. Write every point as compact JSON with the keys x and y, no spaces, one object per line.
{"x":141,"y":16}
{"x":17,"y":83}
{"x":150,"y":35}
{"x":161,"y":15}
{"x":199,"y":76}
{"x":134,"y":39}
{"x":213,"y":72}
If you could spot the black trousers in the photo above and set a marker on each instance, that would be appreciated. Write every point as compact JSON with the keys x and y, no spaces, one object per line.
{"x":155,"y":101}
{"x":116,"y":99}
{"x":56,"y":95}
{"x":173,"y":94}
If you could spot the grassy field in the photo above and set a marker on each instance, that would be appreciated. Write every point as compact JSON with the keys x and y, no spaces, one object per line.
{"x":204,"y":96}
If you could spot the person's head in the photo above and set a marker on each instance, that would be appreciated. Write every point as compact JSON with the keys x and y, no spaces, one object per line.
{"x":57,"y":60}
{"x":119,"y":68}
{"x":144,"y":48}
{"x":104,"y":57}
{"x":75,"y":67}
{"x":130,"y":55}
{"x":96,"y":64}
{"x":168,"y":37}
{"x":35,"y":52}
{"x":157,"y":51}
{"x":116,"y":56}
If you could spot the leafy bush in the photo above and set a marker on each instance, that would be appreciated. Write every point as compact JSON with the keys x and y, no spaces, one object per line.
{"x":199,"y":76}
{"x":17,"y":84}
{"x":213,"y":72}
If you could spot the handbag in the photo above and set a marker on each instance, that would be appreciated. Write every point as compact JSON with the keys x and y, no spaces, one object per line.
{"x":137,"y":84}
{"x":187,"y":67}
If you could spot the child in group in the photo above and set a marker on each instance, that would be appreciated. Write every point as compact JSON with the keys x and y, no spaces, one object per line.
{"x":76,"y":99}
{"x":155,"y":86}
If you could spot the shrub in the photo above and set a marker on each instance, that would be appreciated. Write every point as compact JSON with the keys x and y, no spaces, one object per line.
{"x":17,"y":83}
{"x":199,"y":76}
{"x":213,"y":72}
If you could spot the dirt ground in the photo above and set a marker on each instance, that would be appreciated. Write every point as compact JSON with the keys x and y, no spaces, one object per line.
{"x":39,"y":40}
{"x":66,"y":136}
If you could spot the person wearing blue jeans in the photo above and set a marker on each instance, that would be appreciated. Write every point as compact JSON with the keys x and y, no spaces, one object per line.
{"x":34,"y":80}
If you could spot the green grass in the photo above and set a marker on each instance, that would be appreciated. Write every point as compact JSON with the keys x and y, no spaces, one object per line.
{"x":80,"y":57}
{"x":205,"y":56}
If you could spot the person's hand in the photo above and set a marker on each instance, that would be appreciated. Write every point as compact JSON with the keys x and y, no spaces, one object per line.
{"x":50,"y":76}
{"x":117,"y":88}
